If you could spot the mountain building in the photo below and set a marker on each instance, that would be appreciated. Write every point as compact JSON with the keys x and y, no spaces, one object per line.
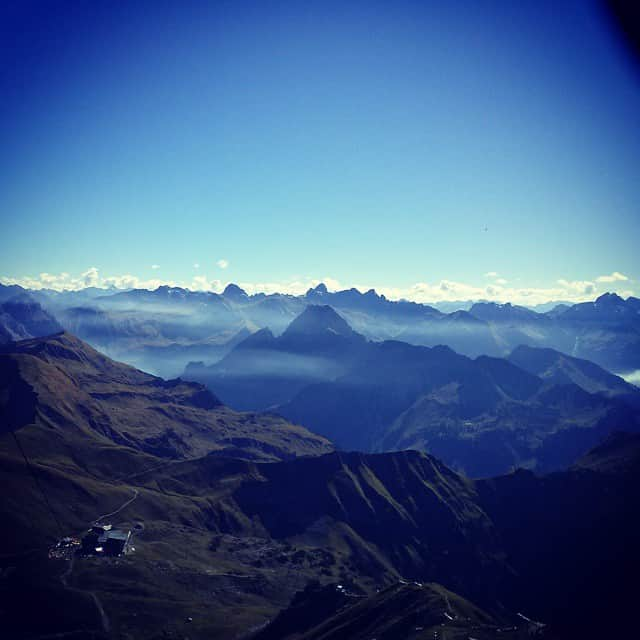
{"x":103,"y":540}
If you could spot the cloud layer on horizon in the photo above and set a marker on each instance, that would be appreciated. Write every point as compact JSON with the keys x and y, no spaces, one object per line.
{"x":498,"y":289}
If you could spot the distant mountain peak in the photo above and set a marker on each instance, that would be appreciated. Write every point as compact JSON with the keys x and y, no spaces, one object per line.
{"x":609,"y":299}
{"x":319,"y":290}
{"x":496,"y":312}
{"x":318,"y":320}
{"x":167,"y":290}
{"x":234,"y":292}
{"x":21,"y":316}
{"x":559,"y":368}
{"x":263,"y":338}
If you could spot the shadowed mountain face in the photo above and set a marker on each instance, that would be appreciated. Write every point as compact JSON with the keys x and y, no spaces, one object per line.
{"x":315,"y":323}
{"x":265,"y":371}
{"x":376,"y":517}
{"x":567,"y":539}
{"x":481,"y":416}
{"x":558,"y":368}
{"x":218,"y":530}
{"x":423,"y":529}
{"x":577,"y":527}
{"x":410,"y":611}
{"x":606,"y":331}
{"x":22,"y":317}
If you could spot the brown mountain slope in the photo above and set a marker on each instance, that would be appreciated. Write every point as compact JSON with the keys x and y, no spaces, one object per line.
{"x":61,"y":387}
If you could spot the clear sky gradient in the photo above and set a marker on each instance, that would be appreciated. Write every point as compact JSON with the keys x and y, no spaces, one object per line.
{"x":376,"y":143}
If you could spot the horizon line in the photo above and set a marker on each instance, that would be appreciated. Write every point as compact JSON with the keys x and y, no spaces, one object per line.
{"x":321,"y":286}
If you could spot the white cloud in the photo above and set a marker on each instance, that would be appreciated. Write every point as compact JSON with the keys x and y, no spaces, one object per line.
{"x":196,"y":265}
{"x":580,"y":287}
{"x":90,"y":276}
{"x":202,"y":283}
{"x":501,"y":281}
{"x":294,"y":287}
{"x":616,"y":276}
{"x":491,"y":274}
{"x":222,"y":263}
{"x":155,"y":266}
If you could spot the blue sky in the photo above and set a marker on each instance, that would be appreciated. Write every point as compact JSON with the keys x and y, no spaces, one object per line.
{"x":400,"y":145}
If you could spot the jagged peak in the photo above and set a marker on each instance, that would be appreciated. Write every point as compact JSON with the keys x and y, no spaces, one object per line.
{"x":234,"y":291}
{"x":261,"y":338}
{"x":319,"y":319}
{"x":318,"y":290}
{"x":165,"y":288}
{"x":609,"y":298}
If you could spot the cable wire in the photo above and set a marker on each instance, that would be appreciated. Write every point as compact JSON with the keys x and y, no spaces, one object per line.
{"x":38,"y":483}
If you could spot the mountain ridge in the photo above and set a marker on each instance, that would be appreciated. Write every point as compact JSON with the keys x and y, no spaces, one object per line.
{"x":390,"y":395}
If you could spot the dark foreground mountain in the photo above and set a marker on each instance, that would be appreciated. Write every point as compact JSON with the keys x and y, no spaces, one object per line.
{"x":223,"y":545}
{"x":568,"y":537}
{"x":411,"y":611}
{"x":482,"y":416}
{"x":577,"y":527}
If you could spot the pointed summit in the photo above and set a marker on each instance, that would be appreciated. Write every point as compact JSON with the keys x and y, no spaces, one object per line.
{"x":317,"y":291}
{"x":318,"y":320}
{"x":609,"y":300}
{"x":261,"y":339}
{"x":234,"y":293}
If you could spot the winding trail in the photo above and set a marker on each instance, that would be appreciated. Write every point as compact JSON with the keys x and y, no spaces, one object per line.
{"x":119,"y":509}
{"x":446,"y":597}
{"x":64,"y":579}
{"x":103,"y":616}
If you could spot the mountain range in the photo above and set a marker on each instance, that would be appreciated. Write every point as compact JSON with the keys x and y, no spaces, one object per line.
{"x":478,"y":413}
{"x":160,"y":331}
{"x":242,"y":523}
{"x":538,"y":408}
